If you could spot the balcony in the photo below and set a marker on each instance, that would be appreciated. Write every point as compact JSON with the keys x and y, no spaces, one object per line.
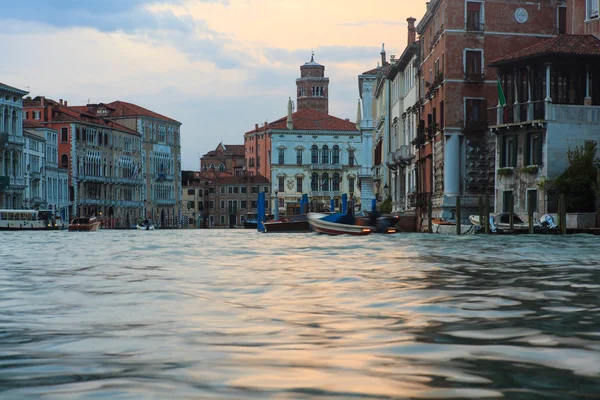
{"x":476,"y":77}
{"x":328,"y":167}
{"x":539,"y":111}
{"x":165,"y":202}
{"x":35,"y":175}
{"x":476,"y":126}
{"x":166,"y":177}
{"x":14,"y":139}
{"x":19,"y":182}
{"x":400,"y":158}
{"x":36,"y":200}
{"x":475,"y":27}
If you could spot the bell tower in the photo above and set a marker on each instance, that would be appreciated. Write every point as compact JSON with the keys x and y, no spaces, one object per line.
{"x":313,"y":87}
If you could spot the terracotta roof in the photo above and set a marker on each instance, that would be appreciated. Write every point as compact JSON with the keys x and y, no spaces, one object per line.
{"x":375,"y":71}
{"x":311,"y":120}
{"x":33,"y":124}
{"x":237,"y":149}
{"x":125,"y":109}
{"x":224,"y":178}
{"x":559,"y":46}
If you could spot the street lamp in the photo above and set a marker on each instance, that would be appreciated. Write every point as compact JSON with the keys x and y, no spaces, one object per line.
{"x":386,"y":191}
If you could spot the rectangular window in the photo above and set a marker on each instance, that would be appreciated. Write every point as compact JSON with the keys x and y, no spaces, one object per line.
{"x":476,"y":114}
{"x":350,"y":185}
{"x":64,"y":135}
{"x":281,"y":202}
{"x":299,"y":156}
{"x":533,"y":149}
{"x":191,"y":192}
{"x":222,"y":189}
{"x":532,"y":200}
{"x":190,"y":204}
{"x":222,"y":204}
{"x":561,"y":23}
{"x":299,"y":185}
{"x":592,"y":9}
{"x":281,"y":184}
{"x":473,"y":68}
{"x":254,"y":189}
{"x":211,"y":204}
{"x":281,"y":156}
{"x":351,"y":158}
{"x":243,"y":204}
{"x":258,"y":162}
{"x":230,"y":189}
{"x":243,"y":189}
{"x":266,"y":189}
{"x":474,"y":20}
{"x":232,"y":206}
{"x":508,"y":152}
{"x":222,"y":219}
{"x":253,"y":203}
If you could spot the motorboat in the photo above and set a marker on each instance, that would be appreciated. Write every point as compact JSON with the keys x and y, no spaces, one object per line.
{"x":145,"y":226}
{"x":84,"y":224}
{"x":250,"y":221}
{"x":500,"y":223}
{"x":30,"y":220}
{"x":338,"y":224}
{"x":291,"y":223}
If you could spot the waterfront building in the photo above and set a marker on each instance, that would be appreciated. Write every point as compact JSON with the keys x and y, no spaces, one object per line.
{"x":365,"y":126}
{"x":214,"y":199}
{"x":225,"y":158}
{"x":457,"y":39}
{"x":54,"y":178}
{"x":35,"y":174}
{"x":161,"y":157}
{"x":551,"y":105}
{"x":12,"y":168}
{"x":104,"y":160}
{"x":307,"y":151}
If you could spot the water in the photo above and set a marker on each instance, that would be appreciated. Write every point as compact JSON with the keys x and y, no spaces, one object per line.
{"x":237,"y":314}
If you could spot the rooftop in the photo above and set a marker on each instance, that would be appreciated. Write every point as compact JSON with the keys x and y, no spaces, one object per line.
{"x":310,"y":120}
{"x":124,"y":109}
{"x":579,"y":46}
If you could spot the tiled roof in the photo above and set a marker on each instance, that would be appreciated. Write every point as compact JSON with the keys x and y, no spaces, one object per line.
{"x":125,"y":109}
{"x":236,"y":149}
{"x":375,"y":71}
{"x":224,"y":178}
{"x":32,"y":124}
{"x":311,"y":120}
{"x":11,"y":88}
{"x":559,"y":46}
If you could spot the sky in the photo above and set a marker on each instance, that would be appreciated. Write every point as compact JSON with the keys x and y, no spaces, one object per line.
{"x":217,"y":66}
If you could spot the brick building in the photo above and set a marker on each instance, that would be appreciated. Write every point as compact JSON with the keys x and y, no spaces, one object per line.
{"x":313,"y":87}
{"x":455,"y":153}
{"x":218,"y":199}
{"x":225,"y":158}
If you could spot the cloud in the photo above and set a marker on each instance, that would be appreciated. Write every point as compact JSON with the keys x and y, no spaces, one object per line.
{"x":378,"y":22}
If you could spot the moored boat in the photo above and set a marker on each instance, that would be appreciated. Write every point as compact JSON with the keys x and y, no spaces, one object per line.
{"x":84,"y":224}
{"x":26,"y":220}
{"x":292,"y":223}
{"x":338,"y":224}
{"x":500,"y":223}
{"x":145,"y":226}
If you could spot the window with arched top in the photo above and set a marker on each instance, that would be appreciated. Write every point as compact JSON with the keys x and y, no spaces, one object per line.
{"x":335,"y":155}
{"x":314,"y":154}
{"x":221,"y":167}
{"x":314,"y":182}
{"x":351,"y":160}
{"x":64,"y":161}
{"x":14,"y":122}
{"x":325,"y":182}
{"x":212,"y":166}
{"x":336,"y":182}
{"x":325,"y":154}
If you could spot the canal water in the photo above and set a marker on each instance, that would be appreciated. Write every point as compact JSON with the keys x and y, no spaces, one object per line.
{"x":236,"y":314}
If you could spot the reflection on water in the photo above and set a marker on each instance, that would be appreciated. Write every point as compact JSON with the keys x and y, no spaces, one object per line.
{"x":237,"y":314}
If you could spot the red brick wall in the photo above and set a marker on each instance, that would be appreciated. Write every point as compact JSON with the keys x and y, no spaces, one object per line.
{"x":576,"y":19}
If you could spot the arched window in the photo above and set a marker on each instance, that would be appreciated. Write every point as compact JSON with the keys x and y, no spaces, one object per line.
{"x":14,"y":122}
{"x":64,"y":161}
{"x":314,"y":154}
{"x":325,"y":155}
{"x":212,"y":166}
{"x":335,"y":155}
{"x":325,"y":182}
{"x":314,"y":182}
{"x":351,"y":160}
{"x":221,"y":167}
{"x":336,"y":182}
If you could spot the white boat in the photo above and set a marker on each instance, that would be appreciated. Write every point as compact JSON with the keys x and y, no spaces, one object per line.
{"x":84,"y":224}
{"x":145,"y":227}
{"x":26,"y":220}
{"x":501,"y":222}
{"x":324,"y":223}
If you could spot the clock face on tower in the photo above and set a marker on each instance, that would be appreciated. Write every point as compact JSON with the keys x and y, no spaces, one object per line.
{"x":521,"y":15}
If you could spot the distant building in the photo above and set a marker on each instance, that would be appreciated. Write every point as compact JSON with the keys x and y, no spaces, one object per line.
{"x":213,"y":199}
{"x":225,"y":158}
{"x":12,"y":167}
{"x":35,"y":174}
{"x":313,"y":87}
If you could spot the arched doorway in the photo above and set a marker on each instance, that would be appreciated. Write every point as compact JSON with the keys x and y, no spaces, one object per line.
{"x":162,"y":219}
{"x":232,"y":220}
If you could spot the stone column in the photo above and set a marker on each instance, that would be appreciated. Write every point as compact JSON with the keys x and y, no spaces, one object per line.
{"x":588,"y":99}
{"x":548,"y":99}
{"x":529,"y":94}
{"x":516,"y":83}
{"x":451,"y":165}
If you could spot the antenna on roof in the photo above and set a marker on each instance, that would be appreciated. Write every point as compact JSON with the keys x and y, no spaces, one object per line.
{"x":88,"y":101}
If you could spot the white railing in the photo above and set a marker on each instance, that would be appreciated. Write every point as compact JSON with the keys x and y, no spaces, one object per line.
{"x":574,"y":113}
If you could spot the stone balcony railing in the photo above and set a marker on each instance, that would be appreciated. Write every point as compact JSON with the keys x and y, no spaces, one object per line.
{"x":528,"y":112}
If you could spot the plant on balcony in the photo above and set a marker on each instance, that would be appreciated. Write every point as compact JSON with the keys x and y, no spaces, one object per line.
{"x":505,"y":171}
{"x":530,"y":169}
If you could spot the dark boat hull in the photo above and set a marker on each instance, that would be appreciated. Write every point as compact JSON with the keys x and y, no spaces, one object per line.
{"x":293,"y":226}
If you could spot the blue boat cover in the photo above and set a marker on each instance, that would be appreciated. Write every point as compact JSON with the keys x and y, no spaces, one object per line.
{"x":340,"y":219}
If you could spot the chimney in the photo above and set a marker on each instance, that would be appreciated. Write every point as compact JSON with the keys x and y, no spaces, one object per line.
{"x":412,"y":31}
{"x":60,"y":101}
{"x":65,"y":103}
{"x":383,"y":57}
{"x":42,"y":101}
{"x":255,"y":127}
{"x":392,"y":58}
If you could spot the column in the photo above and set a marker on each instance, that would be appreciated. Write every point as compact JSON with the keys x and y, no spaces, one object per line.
{"x":451,"y":165}
{"x":530,"y":114}
{"x":517,"y":80}
{"x":548,"y":99}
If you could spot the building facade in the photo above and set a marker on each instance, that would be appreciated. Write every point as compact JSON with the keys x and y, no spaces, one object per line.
{"x":456,"y":153}
{"x":104,"y":160}
{"x":12,"y":159}
{"x":225,"y":158}
{"x":313,"y":87}
{"x":35,"y":171}
{"x":214,"y":199}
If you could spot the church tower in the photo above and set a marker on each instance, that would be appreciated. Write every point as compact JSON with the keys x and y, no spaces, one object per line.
{"x":313,"y":87}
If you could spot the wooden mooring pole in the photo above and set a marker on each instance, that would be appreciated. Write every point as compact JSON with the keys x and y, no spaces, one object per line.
{"x":486,"y":211}
{"x":530,"y":216}
{"x":563,"y":215}
{"x":511,"y":210}
{"x":458,"y":224}
{"x":429,"y":218}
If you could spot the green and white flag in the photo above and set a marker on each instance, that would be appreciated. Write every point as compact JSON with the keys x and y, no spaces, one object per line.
{"x":501,"y":97}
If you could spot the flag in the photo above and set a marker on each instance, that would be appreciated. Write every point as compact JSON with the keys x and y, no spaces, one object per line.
{"x":501,"y":98}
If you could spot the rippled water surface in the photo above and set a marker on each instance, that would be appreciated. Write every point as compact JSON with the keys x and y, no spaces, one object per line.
{"x":237,"y":314}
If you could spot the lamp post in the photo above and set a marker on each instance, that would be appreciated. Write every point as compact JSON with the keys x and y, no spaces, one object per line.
{"x":276,"y":211}
{"x":386,"y":191}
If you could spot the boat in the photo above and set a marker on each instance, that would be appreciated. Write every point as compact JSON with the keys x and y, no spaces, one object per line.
{"x":251,"y":221}
{"x":291,"y":223}
{"x":338,"y":224}
{"x":27,"y":220}
{"x":500,"y":223}
{"x":145,"y":226}
{"x":84,"y":224}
